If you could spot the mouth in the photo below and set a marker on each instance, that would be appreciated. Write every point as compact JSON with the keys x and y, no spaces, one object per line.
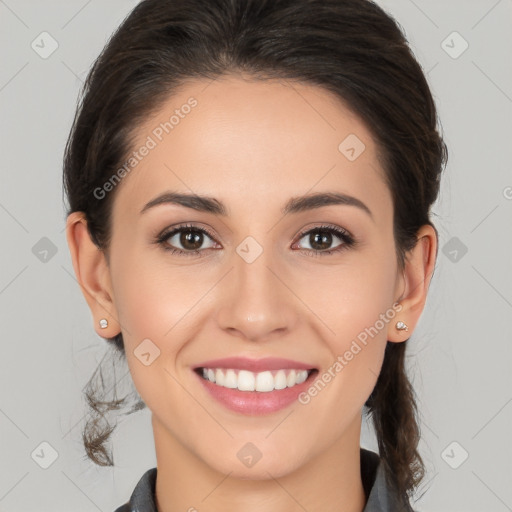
{"x":262,"y":382}
{"x":255,"y":387}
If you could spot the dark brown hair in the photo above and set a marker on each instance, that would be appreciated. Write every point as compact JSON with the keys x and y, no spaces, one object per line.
{"x":351,"y":48}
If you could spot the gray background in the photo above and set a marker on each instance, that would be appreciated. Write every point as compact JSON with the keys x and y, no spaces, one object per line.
{"x":460,"y":355}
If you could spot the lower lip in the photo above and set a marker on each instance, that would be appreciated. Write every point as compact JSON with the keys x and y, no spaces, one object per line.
{"x":256,"y":402}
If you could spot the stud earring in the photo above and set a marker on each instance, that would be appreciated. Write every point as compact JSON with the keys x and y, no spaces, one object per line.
{"x":401,"y":326}
{"x":103,"y":323}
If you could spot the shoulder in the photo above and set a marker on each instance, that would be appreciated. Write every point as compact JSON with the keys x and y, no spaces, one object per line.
{"x":380,"y":495}
{"x":143,"y":496}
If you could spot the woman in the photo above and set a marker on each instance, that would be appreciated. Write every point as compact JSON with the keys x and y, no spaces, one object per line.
{"x":249,"y":187}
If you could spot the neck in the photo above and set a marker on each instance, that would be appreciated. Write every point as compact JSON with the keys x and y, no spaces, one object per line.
{"x":329,"y":482}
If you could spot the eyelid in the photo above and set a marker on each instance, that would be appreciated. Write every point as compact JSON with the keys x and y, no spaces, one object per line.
{"x":325,"y":226}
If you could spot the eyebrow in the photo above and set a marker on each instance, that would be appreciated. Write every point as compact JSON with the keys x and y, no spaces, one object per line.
{"x":294,"y":205}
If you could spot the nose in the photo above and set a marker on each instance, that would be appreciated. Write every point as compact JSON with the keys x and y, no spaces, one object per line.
{"x":257,"y":302}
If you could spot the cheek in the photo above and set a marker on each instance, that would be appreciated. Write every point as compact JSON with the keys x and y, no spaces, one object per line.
{"x":157,"y":307}
{"x":349,"y":298}
{"x":153,"y":298}
{"x":356,"y":311}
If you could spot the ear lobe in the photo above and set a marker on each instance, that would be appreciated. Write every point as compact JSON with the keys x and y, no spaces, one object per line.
{"x":417,"y":274}
{"x":92,"y":274}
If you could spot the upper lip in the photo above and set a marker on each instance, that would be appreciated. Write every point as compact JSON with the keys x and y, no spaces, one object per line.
{"x":255,"y":365}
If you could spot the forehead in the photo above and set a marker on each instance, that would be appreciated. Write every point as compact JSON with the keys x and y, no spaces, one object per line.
{"x":251,"y":139}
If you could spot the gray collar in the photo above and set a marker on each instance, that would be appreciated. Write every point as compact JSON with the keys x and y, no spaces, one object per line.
{"x":380,"y":496}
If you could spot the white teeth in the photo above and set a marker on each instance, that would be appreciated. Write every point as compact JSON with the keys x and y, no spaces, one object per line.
{"x":230,"y":380}
{"x":249,"y":381}
{"x":264,"y":381}
{"x":219,"y":377}
{"x":280,"y":380}
{"x":246,"y":381}
{"x":301,"y":377}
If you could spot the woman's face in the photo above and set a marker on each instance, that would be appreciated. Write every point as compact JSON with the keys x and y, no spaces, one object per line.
{"x":256,"y":289}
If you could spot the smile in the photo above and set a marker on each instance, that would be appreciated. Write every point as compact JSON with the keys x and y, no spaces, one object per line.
{"x":264,"y":382}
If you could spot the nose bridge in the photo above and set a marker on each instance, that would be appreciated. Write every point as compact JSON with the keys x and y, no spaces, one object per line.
{"x":257,"y":302}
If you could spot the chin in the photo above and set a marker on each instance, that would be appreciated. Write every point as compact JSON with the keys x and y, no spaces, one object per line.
{"x":266,"y":467}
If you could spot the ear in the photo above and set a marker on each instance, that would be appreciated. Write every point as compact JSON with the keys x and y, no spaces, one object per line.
{"x":415,"y":281}
{"x":92,"y":273}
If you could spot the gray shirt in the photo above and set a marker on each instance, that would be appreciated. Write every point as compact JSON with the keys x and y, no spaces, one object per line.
{"x":380,"y":497}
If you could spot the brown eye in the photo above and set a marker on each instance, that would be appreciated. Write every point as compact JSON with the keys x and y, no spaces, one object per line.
{"x":186,"y":240}
{"x":320,"y":240}
{"x":191,"y":240}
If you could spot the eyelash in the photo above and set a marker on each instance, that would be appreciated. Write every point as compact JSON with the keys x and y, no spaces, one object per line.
{"x":343,"y":235}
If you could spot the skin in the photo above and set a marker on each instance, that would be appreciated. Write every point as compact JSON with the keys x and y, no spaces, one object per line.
{"x":253,"y":145}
